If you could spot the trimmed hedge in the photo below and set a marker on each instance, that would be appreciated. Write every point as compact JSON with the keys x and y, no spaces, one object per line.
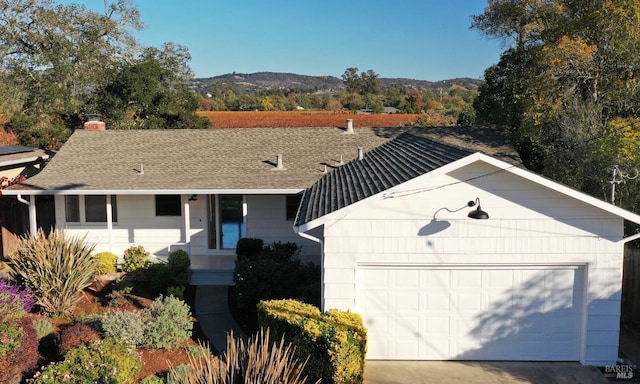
{"x":335,"y":341}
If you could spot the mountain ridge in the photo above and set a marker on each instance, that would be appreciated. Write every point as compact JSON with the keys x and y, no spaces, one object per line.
{"x":270,"y":80}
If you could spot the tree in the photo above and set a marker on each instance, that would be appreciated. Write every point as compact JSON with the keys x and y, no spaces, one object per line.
{"x":365,"y":83}
{"x":571,"y":73}
{"x":149,"y":93}
{"x":58,"y":53}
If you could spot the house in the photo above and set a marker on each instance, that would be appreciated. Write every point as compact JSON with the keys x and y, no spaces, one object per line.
{"x":200,"y":190}
{"x":17,"y":162}
{"x":538,"y":279}
{"x":447,"y":252}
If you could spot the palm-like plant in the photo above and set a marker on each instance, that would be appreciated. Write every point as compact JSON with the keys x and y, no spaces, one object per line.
{"x":253,"y":362}
{"x":56,"y":268}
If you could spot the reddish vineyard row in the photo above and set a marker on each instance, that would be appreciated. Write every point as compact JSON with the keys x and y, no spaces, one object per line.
{"x":255,"y":119}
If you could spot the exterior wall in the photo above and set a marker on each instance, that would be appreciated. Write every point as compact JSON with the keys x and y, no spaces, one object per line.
{"x":529,"y":224}
{"x":138,"y":225}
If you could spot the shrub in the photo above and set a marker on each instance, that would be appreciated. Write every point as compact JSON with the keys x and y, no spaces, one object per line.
{"x":24,"y":357}
{"x":249,"y":248}
{"x":275,"y":274}
{"x":336,"y":341}
{"x":159,"y":276}
{"x":179,"y":263}
{"x":43,"y":328}
{"x":55,"y":268}
{"x":106,"y":262}
{"x":127,"y":325}
{"x":76,"y":335}
{"x":120,"y":295}
{"x":152,"y":380}
{"x":11,"y":294}
{"x":107,"y":361}
{"x":47,"y":339}
{"x":168,"y":322}
{"x":255,"y":362}
{"x":176,"y":291}
{"x":135,"y":258}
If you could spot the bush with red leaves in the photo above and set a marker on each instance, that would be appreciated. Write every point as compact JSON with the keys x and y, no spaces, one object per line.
{"x":76,"y":335}
{"x":14,"y":365}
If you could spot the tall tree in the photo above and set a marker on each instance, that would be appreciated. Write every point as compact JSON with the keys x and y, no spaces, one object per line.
{"x":571,"y":69}
{"x":365,"y":83}
{"x":150,"y":93}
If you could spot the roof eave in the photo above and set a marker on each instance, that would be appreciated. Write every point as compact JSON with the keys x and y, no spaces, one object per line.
{"x":478,"y":156}
{"x":254,"y":191}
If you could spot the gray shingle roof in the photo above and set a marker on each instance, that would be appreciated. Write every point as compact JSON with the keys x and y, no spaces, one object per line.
{"x":393,"y":163}
{"x":216,"y":159}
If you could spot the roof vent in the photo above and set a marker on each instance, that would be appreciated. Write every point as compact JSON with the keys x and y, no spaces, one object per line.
{"x":141,"y":171}
{"x":341,"y":162}
{"x":360,"y":153}
{"x":349,"y":127}
{"x":279,"y":166}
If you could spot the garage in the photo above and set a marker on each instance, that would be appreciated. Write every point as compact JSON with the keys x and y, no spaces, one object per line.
{"x":483,"y":312}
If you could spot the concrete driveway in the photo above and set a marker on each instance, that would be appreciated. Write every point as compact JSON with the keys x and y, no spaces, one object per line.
{"x":471,"y":372}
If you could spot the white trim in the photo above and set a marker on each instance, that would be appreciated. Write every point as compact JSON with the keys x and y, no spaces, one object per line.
{"x":24,"y":161}
{"x":474,"y":266}
{"x":15,"y":192}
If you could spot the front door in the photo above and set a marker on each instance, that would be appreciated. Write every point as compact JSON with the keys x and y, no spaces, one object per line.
{"x":225,"y":220}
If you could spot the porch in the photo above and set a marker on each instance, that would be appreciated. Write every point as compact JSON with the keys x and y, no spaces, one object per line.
{"x":212,"y":270}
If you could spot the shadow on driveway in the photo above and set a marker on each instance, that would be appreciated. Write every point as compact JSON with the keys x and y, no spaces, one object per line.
{"x":471,"y":372}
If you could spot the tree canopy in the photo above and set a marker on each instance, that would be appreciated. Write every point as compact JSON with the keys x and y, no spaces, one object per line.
{"x":57,"y":60}
{"x":567,"y":85}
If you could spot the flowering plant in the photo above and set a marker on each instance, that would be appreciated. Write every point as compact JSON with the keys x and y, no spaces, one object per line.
{"x":11,"y":295}
{"x":9,"y":337}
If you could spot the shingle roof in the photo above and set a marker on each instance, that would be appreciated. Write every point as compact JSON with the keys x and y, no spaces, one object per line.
{"x":393,"y":163}
{"x":216,"y":159}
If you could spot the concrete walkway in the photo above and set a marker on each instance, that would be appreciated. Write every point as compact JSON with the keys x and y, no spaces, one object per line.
{"x":471,"y":372}
{"x":214,"y":317}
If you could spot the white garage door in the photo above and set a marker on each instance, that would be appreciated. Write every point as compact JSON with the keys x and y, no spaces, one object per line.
{"x":480,"y":313}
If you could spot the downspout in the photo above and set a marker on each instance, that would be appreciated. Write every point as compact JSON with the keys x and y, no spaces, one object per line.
{"x":33,"y":225}
{"x":110,"y":222}
{"x":296,"y":230}
{"x":187,"y":224}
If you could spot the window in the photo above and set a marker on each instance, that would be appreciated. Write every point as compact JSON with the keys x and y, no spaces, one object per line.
{"x":72,"y":209}
{"x":168,"y":205}
{"x":89,"y":209}
{"x":225,"y":220}
{"x":293,"y":202}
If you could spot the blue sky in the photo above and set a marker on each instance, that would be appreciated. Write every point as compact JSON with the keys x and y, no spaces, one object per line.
{"x":420,"y":39}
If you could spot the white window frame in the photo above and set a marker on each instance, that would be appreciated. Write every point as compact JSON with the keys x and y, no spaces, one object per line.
{"x":82,"y":211}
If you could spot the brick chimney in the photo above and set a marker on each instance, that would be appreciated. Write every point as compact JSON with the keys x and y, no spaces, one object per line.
{"x":94,"y":123}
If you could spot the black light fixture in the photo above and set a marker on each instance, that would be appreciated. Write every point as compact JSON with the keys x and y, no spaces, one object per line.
{"x":477,"y":213}
{"x":193,"y":197}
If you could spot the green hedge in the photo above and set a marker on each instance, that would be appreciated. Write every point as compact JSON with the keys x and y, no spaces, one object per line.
{"x":335,"y":341}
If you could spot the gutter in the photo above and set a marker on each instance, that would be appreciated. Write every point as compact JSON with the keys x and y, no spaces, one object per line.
{"x":630,"y":238}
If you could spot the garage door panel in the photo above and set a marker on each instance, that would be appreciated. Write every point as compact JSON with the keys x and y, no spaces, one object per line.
{"x":492,"y":314}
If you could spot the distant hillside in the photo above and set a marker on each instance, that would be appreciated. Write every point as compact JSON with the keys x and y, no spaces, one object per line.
{"x":271,"y":80}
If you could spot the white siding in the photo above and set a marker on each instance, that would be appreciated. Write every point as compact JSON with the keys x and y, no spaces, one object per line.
{"x":138,"y":225}
{"x":528,"y":224}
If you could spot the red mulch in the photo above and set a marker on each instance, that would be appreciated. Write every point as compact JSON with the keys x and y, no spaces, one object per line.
{"x":94,"y":301}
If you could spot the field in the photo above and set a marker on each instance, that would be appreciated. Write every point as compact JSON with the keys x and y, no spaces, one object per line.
{"x":255,"y":119}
